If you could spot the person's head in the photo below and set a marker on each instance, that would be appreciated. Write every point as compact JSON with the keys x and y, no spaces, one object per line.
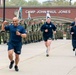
{"x":15,"y":21}
{"x":48,"y":19}
{"x":75,"y":19}
{"x":42,"y":21}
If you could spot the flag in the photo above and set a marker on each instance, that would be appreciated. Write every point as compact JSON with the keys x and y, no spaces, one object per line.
{"x":29,"y":16}
{"x":48,"y":15}
{"x":19,"y":15}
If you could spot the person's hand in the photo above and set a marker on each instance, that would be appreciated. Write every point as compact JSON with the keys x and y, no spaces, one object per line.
{"x":18,"y":33}
{"x":46,"y":30}
{"x":5,"y":23}
{"x":72,"y":33}
{"x":54,"y":32}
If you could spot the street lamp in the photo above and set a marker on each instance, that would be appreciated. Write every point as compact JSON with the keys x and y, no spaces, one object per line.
{"x":3,"y":10}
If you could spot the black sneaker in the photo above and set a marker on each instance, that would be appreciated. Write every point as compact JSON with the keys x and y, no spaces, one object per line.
{"x":16,"y":68}
{"x":11,"y":64}
{"x":73,"y":49}
{"x":47,"y":55}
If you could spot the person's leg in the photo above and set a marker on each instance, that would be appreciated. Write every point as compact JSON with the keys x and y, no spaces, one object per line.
{"x":17,"y":53}
{"x":48,"y":46}
{"x":16,"y":59}
{"x":16,"y":62}
{"x":73,"y":44}
{"x":10,"y":56}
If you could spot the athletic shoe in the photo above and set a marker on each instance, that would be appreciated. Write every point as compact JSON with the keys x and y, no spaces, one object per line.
{"x":73,"y":49}
{"x":11,"y":64}
{"x":16,"y":68}
{"x":47,"y":55}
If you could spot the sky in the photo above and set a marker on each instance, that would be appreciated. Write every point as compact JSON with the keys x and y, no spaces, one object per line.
{"x":73,"y":0}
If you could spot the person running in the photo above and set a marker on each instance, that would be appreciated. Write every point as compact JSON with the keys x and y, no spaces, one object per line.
{"x":48,"y":28}
{"x":73,"y":23}
{"x":17,"y":32}
{"x":73,"y":33}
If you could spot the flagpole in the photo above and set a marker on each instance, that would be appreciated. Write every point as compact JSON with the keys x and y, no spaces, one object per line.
{"x":3,"y":10}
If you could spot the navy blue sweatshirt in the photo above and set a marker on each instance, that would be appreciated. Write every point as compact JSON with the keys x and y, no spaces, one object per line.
{"x":73,"y":29}
{"x":50,"y":26}
{"x":73,"y":23}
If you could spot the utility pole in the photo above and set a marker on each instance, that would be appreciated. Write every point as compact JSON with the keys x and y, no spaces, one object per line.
{"x":3,"y":10}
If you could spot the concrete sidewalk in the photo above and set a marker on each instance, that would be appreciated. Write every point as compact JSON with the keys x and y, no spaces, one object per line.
{"x":62,"y":60}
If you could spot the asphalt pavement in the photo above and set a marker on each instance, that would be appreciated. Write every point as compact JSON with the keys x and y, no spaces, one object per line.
{"x":33,"y":60}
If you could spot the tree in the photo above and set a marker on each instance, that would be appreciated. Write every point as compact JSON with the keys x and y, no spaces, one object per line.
{"x":75,"y":4}
{"x":33,"y":3}
{"x":47,"y":3}
{"x":36,"y":3}
{"x":7,"y":3}
{"x":16,"y":3}
{"x":61,"y":3}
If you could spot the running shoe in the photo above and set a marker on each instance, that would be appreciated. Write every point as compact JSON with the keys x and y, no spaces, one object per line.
{"x":47,"y":55}
{"x":11,"y":64}
{"x":16,"y":68}
{"x":73,"y":49}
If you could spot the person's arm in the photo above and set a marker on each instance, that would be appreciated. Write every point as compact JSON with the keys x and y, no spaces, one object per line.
{"x":42,"y":28}
{"x":23,"y":34}
{"x":54,"y":32}
{"x":72,"y":24}
{"x":72,"y":31}
{"x":54,"y":29}
{"x":3,"y":25}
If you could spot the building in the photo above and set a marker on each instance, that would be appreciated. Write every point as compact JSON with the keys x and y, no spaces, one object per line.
{"x":62,"y":14}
